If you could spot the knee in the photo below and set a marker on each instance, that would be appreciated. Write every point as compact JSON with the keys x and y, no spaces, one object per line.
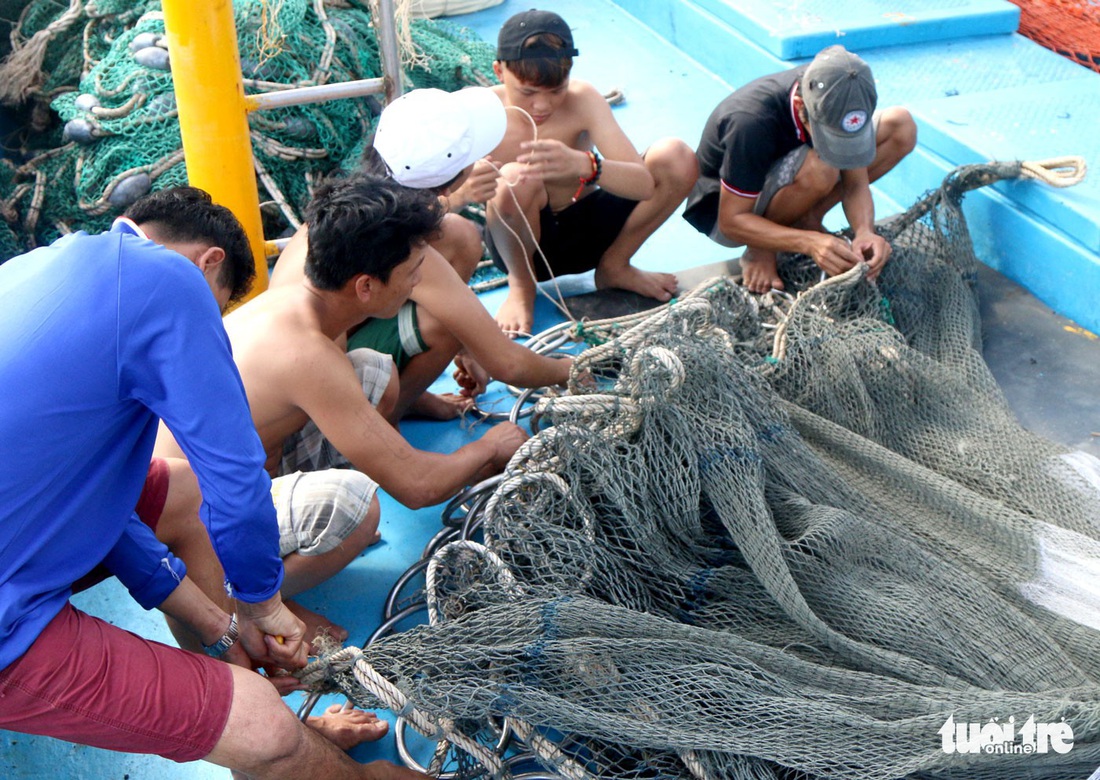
{"x":511,"y":200}
{"x":899,"y":129}
{"x":388,"y":402}
{"x":815,"y":178}
{"x":673,"y":164}
{"x":261,"y":732}
{"x":462,"y":242}
{"x":366,"y":531}
{"x":180,"y":516}
{"x":435,"y":334}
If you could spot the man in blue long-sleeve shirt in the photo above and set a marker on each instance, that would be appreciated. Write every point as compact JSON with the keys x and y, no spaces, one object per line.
{"x":101,"y":336}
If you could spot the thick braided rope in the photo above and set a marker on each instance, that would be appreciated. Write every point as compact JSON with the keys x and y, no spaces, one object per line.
{"x":22,"y":70}
{"x":320,"y":671}
{"x":1056,"y":171}
{"x":549,"y":752}
{"x":806,"y":298}
{"x":503,"y":575}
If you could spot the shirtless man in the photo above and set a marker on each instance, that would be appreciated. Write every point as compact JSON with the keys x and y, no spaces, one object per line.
{"x":777,"y":154}
{"x":434,"y":140}
{"x":562,"y":142}
{"x":367,"y":243}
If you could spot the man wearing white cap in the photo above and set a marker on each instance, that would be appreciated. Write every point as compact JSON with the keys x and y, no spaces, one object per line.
{"x":435,"y":140}
{"x":781,"y":151}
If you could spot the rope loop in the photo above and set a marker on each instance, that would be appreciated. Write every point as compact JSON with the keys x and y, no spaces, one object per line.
{"x":1056,"y":171}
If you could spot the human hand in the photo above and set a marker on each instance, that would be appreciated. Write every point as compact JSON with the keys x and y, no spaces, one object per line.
{"x":479,"y":187}
{"x":271,"y":634}
{"x":283,"y":681}
{"x":832,"y":254}
{"x":505,"y":439}
{"x":550,"y":159}
{"x":874,"y":249}
{"x":471,"y":377}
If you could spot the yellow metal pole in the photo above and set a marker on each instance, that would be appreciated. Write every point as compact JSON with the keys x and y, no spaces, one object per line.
{"x":206,"y":74}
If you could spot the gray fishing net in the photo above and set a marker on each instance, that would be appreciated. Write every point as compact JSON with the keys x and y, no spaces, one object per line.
{"x":789,"y":536}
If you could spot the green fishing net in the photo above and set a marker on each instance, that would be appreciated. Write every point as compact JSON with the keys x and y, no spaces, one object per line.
{"x":100,"y":95}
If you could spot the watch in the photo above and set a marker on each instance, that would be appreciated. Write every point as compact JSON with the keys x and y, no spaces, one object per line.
{"x":229,"y":638}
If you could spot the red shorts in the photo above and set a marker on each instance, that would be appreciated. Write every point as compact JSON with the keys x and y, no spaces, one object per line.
{"x":86,"y":681}
{"x":150,"y":506}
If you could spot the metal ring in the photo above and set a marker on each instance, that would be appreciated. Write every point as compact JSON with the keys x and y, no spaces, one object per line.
{"x":399,"y":731}
{"x":388,"y":625}
{"x":442,"y":538}
{"x":391,"y":598}
{"x":518,"y":411}
{"x":473,"y":524}
{"x":307,"y":706}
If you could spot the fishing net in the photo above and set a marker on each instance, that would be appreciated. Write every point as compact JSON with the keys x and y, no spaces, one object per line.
{"x":102,"y":68}
{"x":433,"y":8}
{"x":785,"y":536}
{"x":1069,"y":27}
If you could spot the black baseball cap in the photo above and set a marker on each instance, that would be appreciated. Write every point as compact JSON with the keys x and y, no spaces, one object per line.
{"x":522,"y":26}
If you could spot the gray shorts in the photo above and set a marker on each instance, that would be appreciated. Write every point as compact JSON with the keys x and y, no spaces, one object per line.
{"x":318,"y":510}
{"x":780,"y":175}
{"x":319,"y":498}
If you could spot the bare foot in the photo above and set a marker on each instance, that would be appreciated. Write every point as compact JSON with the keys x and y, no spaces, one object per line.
{"x":444,"y":406}
{"x":516,"y":315}
{"x":347,"y":728}
{"x":316,"y":624}
{"x":758,"y":271}
{"x":648,"y":283}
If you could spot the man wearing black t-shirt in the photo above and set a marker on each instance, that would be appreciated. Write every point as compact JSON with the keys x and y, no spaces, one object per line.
{"x":781,"y":151}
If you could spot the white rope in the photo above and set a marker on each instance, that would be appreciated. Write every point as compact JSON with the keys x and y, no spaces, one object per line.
{"x":537,"y":249}
{"x":503,"y":576}
{"x":1056,"y":171}
{"x":849,"y":277}
{"x":550,"y":752}
{"x":394,"y":700}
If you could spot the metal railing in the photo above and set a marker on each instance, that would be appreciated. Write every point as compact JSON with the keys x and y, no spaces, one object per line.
{"x":213,"y":107}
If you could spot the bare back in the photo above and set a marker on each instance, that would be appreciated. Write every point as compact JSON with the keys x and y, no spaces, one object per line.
{"x":286,"y":363}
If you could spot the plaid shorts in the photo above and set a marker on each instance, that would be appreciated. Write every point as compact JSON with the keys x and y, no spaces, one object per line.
{"x":319,"y":498}
{"x":318,"y":510}
{"x":308,"y":449}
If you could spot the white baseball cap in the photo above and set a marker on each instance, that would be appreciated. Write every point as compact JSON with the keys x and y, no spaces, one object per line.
{"x":428,"y":136}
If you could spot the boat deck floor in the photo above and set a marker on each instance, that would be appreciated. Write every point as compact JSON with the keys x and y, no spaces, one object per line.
{"x":1048,"y":366}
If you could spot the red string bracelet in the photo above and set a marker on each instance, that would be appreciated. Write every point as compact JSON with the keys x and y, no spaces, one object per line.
{"x":597,"y":169}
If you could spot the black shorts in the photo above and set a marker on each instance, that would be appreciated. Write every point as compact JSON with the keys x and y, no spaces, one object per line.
{"x":575,"y":238}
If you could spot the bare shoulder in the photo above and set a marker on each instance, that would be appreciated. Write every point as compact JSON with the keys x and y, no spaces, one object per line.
{"x":588,"y":102}
{"x":584,"y":115}
{"x":583,"y":90}
{"x":275,"y":335}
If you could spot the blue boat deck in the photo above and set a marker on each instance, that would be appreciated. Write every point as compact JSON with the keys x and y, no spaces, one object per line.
{"x":978,"y":91}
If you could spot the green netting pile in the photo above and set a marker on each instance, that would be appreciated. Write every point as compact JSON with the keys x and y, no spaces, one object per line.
{"x":102,"y":67}
{"x":779,"y":537}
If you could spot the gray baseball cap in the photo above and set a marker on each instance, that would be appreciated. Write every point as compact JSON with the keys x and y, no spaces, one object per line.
{"x":840,"y":97}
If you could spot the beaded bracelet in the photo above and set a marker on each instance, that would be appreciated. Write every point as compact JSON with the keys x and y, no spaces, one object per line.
{"x":597,"y":169}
